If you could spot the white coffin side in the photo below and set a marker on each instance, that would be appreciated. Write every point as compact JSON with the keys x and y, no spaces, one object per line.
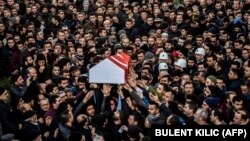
{"x":106,"y":72}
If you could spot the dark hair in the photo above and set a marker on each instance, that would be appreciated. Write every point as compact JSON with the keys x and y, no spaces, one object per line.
{"x":52,"y":99}
{"x":189,"y":83}
{"x":62,"y":62}
{"x":218,"y":113}
{"x":133,"y":57}
{"x":14,"y":77}
{"x":65,"y":116}
{"x":192,"y":106}
{"x":174,"y":120}
{"x":82,"y":79}
{"x":176,"y":73}
{"x":238,"y":98}
{"x":244,"y":114}
{"x":75,"y":136}
{"x":237,"y":52}
{"x":50,"y":87}
{"x":129,"y":20}
{"x":212,"y":56}
{"x":61,"y":79}
{"x":1,"y":90}
{"x":99,"y":120}
{"x":222,"y":64}
{"x":237,"y":72}
{"x":192,"y":97}
{"x":236,"y":63}
{"x":153,"y":103}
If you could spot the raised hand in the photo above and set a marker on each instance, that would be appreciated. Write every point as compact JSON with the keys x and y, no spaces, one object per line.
{"x":119,"y":91}
{"x":28,"y":80}
{"x":154,"y":97}
{"x":127,"y":87}
{"x":48,"y":120}
{"x":141,"y":83}
{"x":56,"y":133}
{"x":88,"y":96}
{"x":124,"y":127}
{"x":129,"y":102}
{"x":132,"y":73}
{"x":106,"y":88}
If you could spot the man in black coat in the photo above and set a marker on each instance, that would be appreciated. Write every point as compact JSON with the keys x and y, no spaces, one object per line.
{"x":30,"y":127}
{"x":17,"y":90}
{"x":131,"y":31}
{"x":8,"y":125}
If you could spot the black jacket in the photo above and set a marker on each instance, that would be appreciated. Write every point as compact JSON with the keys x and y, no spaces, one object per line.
{"x":16,"y":93}
{"x":8,"y":125}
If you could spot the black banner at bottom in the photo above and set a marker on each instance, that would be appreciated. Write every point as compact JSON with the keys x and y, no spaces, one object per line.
{"x":238,"y":133}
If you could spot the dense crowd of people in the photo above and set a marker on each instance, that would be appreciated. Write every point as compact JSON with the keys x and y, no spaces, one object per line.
{"x":189,"y":65}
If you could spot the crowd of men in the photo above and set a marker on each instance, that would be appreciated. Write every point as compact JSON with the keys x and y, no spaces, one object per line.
{"x":189,"y":65}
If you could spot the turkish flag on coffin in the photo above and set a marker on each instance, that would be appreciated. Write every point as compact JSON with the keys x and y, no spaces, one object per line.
{"x":112,"y":70}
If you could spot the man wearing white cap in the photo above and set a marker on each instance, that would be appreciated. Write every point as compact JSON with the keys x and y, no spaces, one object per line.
{"x":163,"y":57}
{"x":163,"y":67}
{"x":199,"y":55}
{"x":180,"y":64}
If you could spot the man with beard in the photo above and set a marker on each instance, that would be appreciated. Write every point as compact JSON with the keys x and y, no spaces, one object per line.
{"x":81,"y":18}
{"x":27,"y":62}
{"x":191,"y":65}
{"x":215,"y":46}
{"x":17,"y":90}
{"x":148,"y":25}
{"x":180,"y":22}
{"x":220,"y":68}
{"x":173,"y":32}
{"x":223,"y":37}
{"x":155,"y":117}
{"x":83,"y":126}
{"x":131,"y":31}
{"x":211,"y":61}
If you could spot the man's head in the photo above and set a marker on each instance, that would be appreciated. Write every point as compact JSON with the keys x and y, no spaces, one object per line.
{"x":238,"y":102}
{"x":189,"y":88}
{"x":216,"y":115}
{"x":4,"y":95}
{"x":200,"y":116}
{"x":241,"y":117}
{"x":153,"y":109}
{"x":189,"y":109}
{"x":17,"y":79}
{"x":129,"y":24}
